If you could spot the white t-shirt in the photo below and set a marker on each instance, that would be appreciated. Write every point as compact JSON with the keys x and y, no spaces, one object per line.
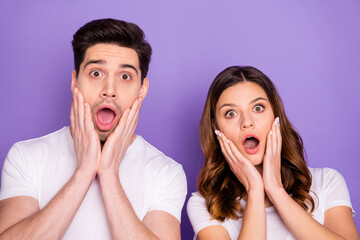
{"x":328,"y":184}
{"x":40,"y":167}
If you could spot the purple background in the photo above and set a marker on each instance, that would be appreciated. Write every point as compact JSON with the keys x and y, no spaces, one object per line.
{"x":310,"y":49}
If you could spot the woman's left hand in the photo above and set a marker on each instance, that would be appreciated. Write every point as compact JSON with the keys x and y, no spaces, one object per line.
{"x":272,"y":159}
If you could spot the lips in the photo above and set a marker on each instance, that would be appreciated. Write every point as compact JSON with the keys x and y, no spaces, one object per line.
{"x":251,"y":143}
{"x":105,"y":117}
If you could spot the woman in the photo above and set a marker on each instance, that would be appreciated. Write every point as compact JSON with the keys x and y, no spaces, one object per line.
{"x":255,"y":183}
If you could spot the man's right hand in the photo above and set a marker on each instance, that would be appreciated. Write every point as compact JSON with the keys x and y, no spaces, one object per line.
{"x":86,"y":140}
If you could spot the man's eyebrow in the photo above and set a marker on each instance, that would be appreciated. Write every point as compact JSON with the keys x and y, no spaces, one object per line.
{"x":103,"y":62}
{"x":129,"y":66}
{"x":234,"y":105}
{"x":94,"y":62}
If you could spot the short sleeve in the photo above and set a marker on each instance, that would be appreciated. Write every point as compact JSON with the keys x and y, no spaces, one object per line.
{"x":335,"y":190}
{"x":198,"y":214}
{"x":17,"y":178}
{"x":171,"y":191}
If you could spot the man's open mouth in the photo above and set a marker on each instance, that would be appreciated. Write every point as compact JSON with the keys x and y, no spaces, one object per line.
{"x":105,"y":117}
{"x":251,"y":143}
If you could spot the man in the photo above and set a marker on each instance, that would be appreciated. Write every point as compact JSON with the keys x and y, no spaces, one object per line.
{"x":96,"y":179}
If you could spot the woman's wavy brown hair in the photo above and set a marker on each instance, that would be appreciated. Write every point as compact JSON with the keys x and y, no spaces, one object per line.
{"x":217,"y":183}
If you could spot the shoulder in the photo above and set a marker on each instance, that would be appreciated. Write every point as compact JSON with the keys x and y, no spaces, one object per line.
{"x":324,"y":176}
{"x":196,"y":208}
{"x":51,"y":139}
{"x":36,"y":146}
{"x":152,"y":158}
{"x":330,"y":187}
{"x":198,"y":214}
{"x":157,"y":170}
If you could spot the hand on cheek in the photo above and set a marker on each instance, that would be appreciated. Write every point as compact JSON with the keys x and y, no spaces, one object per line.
{"x":272,"y":159}
{"x":86,"y":140}
{"x":118,"y":142}
{"x":243,"y":169}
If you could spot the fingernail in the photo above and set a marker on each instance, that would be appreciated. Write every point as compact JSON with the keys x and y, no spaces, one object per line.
{"x":227,"y":141}
{"x":270,"y":132}
{"x":276,"y":121}
{"x":217,"y":133}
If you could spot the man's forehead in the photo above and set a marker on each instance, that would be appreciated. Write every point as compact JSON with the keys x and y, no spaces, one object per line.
{"x":110,"y":54}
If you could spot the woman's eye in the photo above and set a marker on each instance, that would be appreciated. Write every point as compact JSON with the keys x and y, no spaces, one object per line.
{"x":125,"y":76}
{"x":230,"y":114}
{"x":258,"y":108}
{"x":95,"y":73}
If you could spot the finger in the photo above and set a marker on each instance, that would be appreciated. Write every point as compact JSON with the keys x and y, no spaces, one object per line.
{"x":72,"y":123}
{"x":279,"y":138}
{"x":132,"y":114}
{"x":88,"y":123}
{"x":76,"y":113}
{"x":274,"y":136}
{"x":119,"y":130}
{"x":81,"y":110}
{"x":222,"y":147}
{"x":225,"y":142}
{"x":136,"y":117}
{"x":269,"y":143}
{"x":236,"y":151}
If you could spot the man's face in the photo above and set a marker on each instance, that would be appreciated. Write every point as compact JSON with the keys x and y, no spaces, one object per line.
{"x":110,"y":79}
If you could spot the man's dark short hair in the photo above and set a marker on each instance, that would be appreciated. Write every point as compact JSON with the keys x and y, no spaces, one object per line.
{"x":112,"y":31}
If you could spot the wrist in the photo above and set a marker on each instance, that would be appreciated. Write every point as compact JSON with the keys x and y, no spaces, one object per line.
{"x":85,"y":174}
{"x":108,"y":176}
{"x":256,"y":193}
{"x":273,"y":192}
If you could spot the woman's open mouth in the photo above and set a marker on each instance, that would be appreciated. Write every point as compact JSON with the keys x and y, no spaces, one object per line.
{"x":251,"y":143}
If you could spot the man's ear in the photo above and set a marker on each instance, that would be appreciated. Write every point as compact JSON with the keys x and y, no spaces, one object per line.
{"x":73,"y":79}
{"x":144,"y":88}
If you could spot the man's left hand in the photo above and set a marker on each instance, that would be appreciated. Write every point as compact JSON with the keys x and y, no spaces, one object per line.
{"x":118,"y":142}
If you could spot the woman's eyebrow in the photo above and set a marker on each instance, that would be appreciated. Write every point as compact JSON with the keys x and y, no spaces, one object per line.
{"x":257,"y":99}
{"x":251,"y":102}
{"x":228,"y":105}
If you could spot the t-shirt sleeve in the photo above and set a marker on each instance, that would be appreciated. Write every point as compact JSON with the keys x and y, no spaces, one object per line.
{"x":335,"y":190}
{"x":170,"y":192}
{"x":198,"y":214}
{"x":17,"y":178}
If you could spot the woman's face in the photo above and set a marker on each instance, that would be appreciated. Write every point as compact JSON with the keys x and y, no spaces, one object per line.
{"x":244,"y":114}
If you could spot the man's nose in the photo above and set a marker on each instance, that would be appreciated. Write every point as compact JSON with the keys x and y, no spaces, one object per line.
{"x":109,"y":89}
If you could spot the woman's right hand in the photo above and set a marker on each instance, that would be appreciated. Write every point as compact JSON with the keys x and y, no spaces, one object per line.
{"x":243,"y":169}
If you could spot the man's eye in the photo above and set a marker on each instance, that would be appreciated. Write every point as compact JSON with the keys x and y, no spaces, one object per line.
{"x":230,"y":114}
{"x":125,"y":76}
{"x":95,"y":73}
{"x":259,"y":108}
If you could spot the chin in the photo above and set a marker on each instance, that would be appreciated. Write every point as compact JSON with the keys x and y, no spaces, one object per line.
{"x":255,"y":159}
{"x":103,"y":136}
